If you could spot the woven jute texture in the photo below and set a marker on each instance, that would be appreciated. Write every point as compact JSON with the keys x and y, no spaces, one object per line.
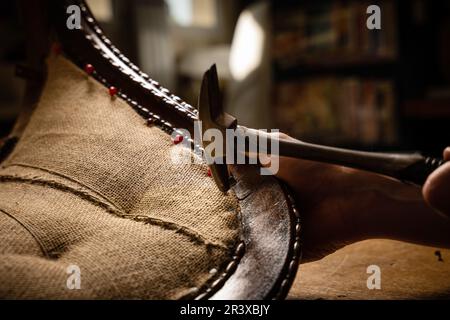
{"x":90,"y":187}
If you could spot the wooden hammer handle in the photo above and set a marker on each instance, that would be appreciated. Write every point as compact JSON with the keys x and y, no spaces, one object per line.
{"x":412,"y":168}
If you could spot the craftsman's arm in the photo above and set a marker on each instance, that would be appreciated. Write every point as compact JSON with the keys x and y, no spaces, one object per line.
{"x":342,"y":205}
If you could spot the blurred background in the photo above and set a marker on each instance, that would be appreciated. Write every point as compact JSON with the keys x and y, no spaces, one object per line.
{"x":310,"y":68}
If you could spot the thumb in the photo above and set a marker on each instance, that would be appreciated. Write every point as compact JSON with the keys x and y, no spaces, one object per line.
{"x":436,"y":190}
{"x":447,"y":154}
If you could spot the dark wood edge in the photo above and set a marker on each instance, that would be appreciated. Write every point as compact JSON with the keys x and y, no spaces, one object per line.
{"x":266,"y":260}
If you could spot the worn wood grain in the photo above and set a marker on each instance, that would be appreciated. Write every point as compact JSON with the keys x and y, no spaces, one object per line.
{"x":407,"y":272}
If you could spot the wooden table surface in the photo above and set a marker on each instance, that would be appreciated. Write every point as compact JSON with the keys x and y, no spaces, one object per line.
{"x":407,"y":272}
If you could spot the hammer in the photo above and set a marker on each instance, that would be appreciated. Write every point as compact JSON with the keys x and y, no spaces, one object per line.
{"x":409,"y":168}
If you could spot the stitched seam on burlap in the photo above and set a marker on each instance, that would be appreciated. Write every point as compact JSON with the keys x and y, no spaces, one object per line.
{"x":18,"y":164}
{"x":191,"y":234}
{"x":28,"y":229}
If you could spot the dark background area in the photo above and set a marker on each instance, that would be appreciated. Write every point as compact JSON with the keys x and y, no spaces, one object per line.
{"x":12,"y":51}
{"x":320,"y":52}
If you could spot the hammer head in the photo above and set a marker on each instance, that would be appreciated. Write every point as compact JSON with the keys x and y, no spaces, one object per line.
{"x":212,"y":116}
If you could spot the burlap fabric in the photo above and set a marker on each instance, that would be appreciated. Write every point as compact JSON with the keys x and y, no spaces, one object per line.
{"x":90,"y":185}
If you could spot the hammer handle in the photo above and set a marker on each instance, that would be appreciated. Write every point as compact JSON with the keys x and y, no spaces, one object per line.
{"x":411,"y":168}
